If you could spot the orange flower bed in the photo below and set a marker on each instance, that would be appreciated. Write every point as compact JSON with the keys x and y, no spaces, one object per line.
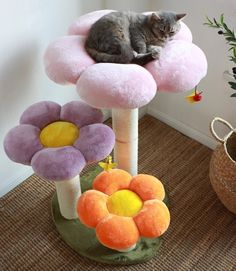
{"x":123,"y":208}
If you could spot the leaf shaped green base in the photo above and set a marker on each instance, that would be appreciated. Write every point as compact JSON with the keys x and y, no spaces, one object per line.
{"x":83,"y":240}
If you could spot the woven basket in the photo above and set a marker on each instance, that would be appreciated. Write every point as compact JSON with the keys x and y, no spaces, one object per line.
{"x":223,"y":166}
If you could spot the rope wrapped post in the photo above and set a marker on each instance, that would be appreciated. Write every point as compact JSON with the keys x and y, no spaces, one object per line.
{"x":125,"y":126}
{"x":108,"y":85}
{"x":58,"y":142}
{"x":68,"y":193}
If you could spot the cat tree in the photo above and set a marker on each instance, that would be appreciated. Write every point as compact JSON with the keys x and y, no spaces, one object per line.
{"x":123,"y":88}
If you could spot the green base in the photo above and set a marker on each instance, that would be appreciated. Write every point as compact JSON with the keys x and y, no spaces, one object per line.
{"x":84,"y":241}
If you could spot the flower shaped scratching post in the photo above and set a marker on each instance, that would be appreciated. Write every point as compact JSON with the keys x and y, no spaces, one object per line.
{"x":123,"y":87}
{"x":123,"y":209}
{"x":122,"y":96}
{"x":58,"y":141}
{"x":121,"y":218}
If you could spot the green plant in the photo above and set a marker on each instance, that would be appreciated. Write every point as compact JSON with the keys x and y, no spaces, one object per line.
{"x":230,"y":37}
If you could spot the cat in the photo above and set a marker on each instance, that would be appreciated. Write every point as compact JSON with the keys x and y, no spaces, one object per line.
{"x":129,"y":37}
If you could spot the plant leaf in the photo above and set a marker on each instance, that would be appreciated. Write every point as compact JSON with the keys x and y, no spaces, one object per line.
{"x":233,"y":59}
{"x":232,"y":84}
{"x":222,"y":18}
{"x":226,"y":27}
{"x":226,"y":34}
{"x":210,"y":22}
{"x":216,"y":22}
{"x":211,"y":25}
{"x":230,"y":39}
{"x":233,"y":95}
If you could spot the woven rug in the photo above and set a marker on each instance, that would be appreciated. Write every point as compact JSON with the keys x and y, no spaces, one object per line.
{"x":202,"y":235}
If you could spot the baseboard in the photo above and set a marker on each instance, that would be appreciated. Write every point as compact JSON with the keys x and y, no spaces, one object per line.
{"x":15,"y":180}
{"x":183,"y":128}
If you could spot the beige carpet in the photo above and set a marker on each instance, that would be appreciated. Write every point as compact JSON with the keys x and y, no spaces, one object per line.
{"x":202,"y":235}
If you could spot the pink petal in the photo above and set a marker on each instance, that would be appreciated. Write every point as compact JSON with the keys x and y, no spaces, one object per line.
{"x":83,"y":24}
{"x":66,"y":58}
{"x":109,"y":85}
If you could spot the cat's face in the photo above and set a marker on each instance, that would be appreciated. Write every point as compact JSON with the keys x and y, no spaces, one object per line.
{"x":165,"y":24}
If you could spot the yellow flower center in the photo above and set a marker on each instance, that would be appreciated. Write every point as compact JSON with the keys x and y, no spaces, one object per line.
{"x":124,"y":203}
{"x":59,"y":134}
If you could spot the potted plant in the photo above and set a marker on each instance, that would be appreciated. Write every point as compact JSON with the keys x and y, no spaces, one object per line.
{"x":230,"y":37}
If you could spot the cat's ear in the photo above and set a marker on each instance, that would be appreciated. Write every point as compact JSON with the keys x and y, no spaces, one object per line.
{"x":180,"y":16}
{"x":154,"y":18}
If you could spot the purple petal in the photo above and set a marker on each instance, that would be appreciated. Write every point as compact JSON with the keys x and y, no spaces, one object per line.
{"x":57,"y":164}
{"x":80,"y":113}
{"x":41,"y":114}
{"x":96,"y":142}
{"x":22,"y":142}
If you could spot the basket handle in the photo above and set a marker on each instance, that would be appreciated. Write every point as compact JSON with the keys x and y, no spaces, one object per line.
{"x":224,"y":122}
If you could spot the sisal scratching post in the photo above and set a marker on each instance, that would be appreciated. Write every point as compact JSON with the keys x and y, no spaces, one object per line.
{"x":109,"y":85}
{"x":125,"y":126}
{"x":68,"y":193}
{"x":58,"y":141}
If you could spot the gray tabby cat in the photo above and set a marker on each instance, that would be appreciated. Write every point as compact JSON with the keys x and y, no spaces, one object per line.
{"x":129,"y":37}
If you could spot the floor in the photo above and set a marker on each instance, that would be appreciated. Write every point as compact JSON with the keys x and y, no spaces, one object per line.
{"x":202,"y":234}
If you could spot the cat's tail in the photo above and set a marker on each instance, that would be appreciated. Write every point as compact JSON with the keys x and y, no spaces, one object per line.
{"x":126,"y":55}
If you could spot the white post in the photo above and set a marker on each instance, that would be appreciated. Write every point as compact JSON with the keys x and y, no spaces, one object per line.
{"x":125,"y":126}
{"x":68,"y":193}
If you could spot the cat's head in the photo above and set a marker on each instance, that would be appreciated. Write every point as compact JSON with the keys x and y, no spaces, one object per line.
{"x":165,"y":24}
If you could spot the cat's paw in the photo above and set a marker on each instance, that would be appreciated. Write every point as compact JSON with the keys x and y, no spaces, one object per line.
{"x":156,"y":51}
{"x":135,"y":54}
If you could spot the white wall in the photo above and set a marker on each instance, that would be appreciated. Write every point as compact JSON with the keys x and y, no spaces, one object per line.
{"x":91,"y":5}
{"x":135,"y":5}
{"x":27,"y":27}
{"x":194,"y":119}
{"x":30,"y":25}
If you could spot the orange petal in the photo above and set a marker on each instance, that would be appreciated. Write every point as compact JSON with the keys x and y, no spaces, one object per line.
{"x":92,"y":207}
{"x":153,"y":220}
{"x":112,"y":180}
{"x":117,"y":232}
{"x":147,"y":187}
